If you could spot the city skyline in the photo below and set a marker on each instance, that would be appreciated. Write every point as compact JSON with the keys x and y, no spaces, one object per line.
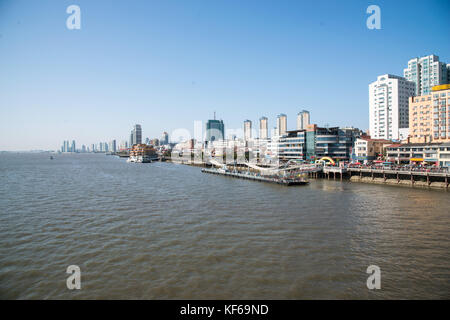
{"x":82,"y":84}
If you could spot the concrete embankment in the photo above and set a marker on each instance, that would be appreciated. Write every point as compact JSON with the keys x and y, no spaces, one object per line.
{"x":402,"y":182}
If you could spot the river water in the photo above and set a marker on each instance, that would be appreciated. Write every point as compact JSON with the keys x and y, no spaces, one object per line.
{"x":167,"y":231}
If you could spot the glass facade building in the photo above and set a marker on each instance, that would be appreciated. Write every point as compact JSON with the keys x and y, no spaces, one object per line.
{"x":315,"y":143}
{"x":215,"y":130}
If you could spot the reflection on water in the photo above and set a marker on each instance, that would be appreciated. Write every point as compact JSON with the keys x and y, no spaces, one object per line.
{"x":154,"y":231}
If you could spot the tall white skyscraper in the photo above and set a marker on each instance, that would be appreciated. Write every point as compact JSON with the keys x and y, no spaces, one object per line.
{"x":281,"y":124}
{"x":388,"y":106}
{"x":302,"y":120}
{"x":263,"y":128}
{"x":426,"y":72}
{"x":247,"y":130}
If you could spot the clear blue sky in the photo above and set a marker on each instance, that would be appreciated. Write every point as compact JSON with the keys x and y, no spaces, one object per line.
{"x":164,"y":64}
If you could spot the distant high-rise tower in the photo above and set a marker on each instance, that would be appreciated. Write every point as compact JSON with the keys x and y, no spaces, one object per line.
{"x":164,"y":138}
{"x":247,"y":130}
{"x":281,"y":124}
{"x":136,"y":135}
{"x":263,"y":128}
{"x":113,"y":146}
{"x":302,"y":120}
{"x":426,"y":72}
{"x":73,"y":147}
{"x":215,"y":130}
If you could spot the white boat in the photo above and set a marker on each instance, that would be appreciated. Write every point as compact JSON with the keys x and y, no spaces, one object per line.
{"x":142,"y":159}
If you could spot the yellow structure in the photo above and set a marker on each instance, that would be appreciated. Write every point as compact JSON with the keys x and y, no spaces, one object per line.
{"x":327,"y":159}
{"x":441,"y":87}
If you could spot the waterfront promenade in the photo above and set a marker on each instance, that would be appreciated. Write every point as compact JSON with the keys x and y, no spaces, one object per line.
{"x":438,"y":178}
{"x":413,"y":176}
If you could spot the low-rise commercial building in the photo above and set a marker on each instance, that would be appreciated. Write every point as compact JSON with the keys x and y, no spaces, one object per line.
{"x":444,"y":154}
{"x":417,"y":153}
{"x":367,"y":149}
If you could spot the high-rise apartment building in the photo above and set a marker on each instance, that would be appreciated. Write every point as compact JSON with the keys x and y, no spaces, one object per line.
{"x":426,"y":72}
{"x":263,"y":128}
{"x":429,"y":116}
{"x":388,"y":106}
{"x":281,"y":124}
{"x":302,"y":120}
{"x":247,"y":130}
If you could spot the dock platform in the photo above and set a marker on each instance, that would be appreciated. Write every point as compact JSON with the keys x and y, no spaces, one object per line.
{"x":282,"y":181}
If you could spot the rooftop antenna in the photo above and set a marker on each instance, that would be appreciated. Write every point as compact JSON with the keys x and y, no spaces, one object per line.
{"x":214,"y":115}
